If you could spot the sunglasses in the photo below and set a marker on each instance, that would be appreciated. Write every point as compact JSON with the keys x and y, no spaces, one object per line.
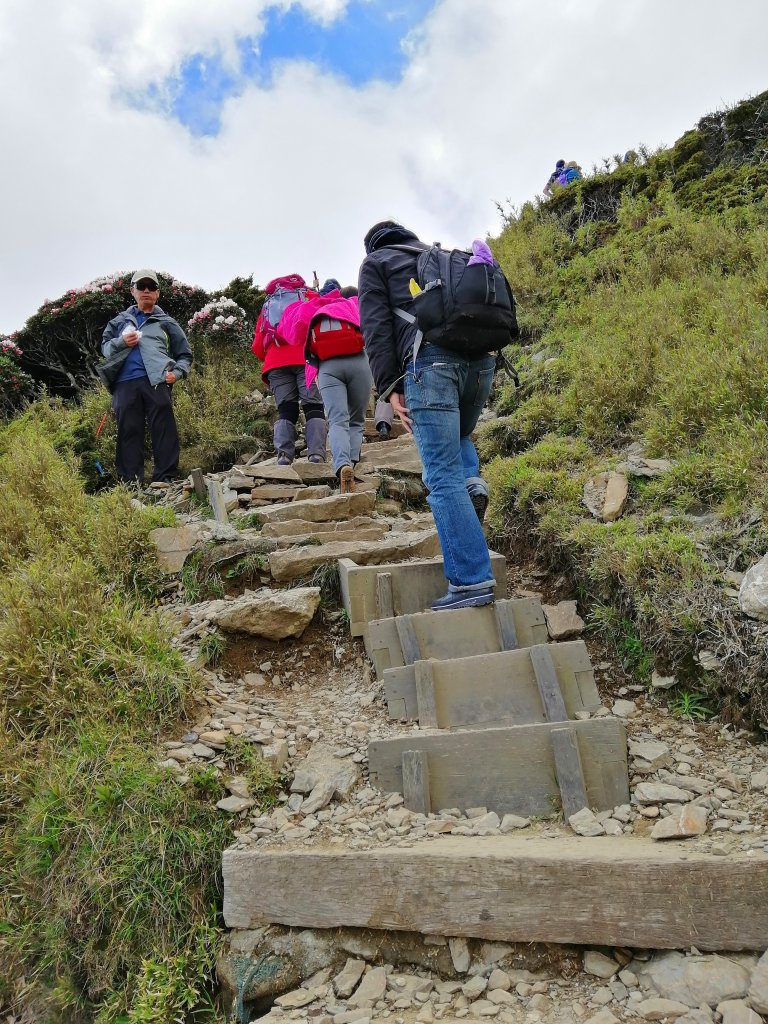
{"x":146,"y":286}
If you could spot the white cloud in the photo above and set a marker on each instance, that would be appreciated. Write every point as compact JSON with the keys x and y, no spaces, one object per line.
{"x":492,"y":95}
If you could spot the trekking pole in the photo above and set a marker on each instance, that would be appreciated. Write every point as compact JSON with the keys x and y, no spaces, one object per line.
{"x":101,"y":425}
{"x":97,"y":465}
{"x":315,"y":281}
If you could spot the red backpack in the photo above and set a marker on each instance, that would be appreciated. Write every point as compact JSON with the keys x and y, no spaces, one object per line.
{"x":329,"y":338}
{"x":281,"y":293}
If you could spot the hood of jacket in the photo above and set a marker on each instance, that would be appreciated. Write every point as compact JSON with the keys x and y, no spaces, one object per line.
{"x":391,"y":236}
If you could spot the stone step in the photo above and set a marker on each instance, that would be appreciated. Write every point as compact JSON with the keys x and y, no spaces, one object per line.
{"x":413,"y":586}
{"x":609,"y":891}
{"x":319,"y":510}
{"x":291,"y":563}
{"x":407,"y":638}
{"x":523,"y":769}
{"x":490,"y":689}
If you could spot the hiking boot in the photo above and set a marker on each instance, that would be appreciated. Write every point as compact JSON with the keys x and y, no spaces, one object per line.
{"x":384,"y":430}
{"x":315,"y":459}
{"x":346,"y":480}
{"x":465,"y":599}
{"x":283,"y":460}
{"x":479,"y":503}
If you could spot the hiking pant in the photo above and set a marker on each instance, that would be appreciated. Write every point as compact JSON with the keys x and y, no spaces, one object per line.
{"x":345,"y":383}
{"x":135,"y":401}
{"x":445,"y":395}
{"x":289,"y":387}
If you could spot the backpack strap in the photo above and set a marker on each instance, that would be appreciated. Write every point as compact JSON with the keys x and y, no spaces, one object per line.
{"x":411,"y":319}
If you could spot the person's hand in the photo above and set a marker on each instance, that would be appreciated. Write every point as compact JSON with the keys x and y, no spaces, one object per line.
{"x":170,"y":377}
{"x":397,"y":401}
{"x":131,"y":338}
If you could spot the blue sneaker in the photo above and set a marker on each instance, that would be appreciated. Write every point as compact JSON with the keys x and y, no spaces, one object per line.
{"x":465,"y":599}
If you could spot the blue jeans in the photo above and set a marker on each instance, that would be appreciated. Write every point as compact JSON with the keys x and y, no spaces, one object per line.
{"x":446,"y":394}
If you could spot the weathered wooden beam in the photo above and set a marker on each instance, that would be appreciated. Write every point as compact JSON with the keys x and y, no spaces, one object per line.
{"x":416,"y":781}
{"x":508,"y":770}
{"x":570,"y":776}
{"x":509,"y":694}
{"x":385,"y":604}
{"x":415,"y":585}
{"x":599,"y":892}
{"x":216,"y":498}
{"x":456,"y":634}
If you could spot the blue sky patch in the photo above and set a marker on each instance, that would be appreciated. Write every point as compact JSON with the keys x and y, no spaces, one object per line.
{"x":361,"y":46}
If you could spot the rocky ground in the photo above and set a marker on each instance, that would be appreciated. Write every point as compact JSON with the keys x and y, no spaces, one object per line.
{"x":311,"y":704}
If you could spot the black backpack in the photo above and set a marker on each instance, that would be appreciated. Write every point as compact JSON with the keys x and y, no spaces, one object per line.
{"x":467,"y":309}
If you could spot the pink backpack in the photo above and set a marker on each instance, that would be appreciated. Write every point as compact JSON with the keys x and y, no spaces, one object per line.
{"x":281,"y":293}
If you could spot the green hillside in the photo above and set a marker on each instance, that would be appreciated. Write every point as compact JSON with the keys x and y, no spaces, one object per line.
{"x":643,"y":296}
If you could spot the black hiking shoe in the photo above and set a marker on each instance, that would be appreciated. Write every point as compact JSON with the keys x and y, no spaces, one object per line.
{"x":479,"y":503}
{"x":465,"y":599}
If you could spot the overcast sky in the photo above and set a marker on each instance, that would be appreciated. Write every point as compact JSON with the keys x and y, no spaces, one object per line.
{"x":232,"y":137}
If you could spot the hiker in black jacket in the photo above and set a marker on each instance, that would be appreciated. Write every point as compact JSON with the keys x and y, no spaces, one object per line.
{"x":438,"y":396}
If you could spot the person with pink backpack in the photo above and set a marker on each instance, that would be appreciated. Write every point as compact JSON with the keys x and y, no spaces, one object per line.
{"x":326,"y":330}
{"x":283,"y":371}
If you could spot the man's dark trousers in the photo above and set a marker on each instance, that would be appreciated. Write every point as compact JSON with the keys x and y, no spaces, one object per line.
{"x":134,"y":401}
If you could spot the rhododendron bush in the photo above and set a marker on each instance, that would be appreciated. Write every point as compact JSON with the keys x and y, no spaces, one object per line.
{"x":16,"y":386}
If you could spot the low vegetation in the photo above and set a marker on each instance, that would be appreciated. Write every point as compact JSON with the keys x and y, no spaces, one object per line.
{"x":110,"y":898}
{"x":643,"y":301}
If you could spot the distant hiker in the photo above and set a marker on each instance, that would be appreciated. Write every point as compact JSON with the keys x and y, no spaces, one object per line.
{"x":559,"y":167}
{"x":283,"y":371}
{"x":430,"y":322}
{"x":631,"y":157}
{"x":326,"y":329}
{"x":145,"y":353}
{"x":571,"y":172}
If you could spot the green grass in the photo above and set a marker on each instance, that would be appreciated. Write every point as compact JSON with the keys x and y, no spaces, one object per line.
{"x":643,"y":300}
{"x":109,"y":911}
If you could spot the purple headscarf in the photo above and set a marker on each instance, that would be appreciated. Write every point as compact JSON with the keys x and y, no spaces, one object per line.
{"x":480,"y":253}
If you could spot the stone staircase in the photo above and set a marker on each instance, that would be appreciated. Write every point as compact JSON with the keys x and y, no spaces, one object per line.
{"x":494,"y":717}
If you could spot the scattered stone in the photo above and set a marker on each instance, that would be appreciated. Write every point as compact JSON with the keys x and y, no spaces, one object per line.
{"x":474,"y":987}
{"x":174,"y":544}
{"x":660,"y":793}
{"x":659,"y":682}
{"x":512,"y":822}
{"x":345,"y":982}
{"x":660,"y":1009}
{"x":459,"y":954}
{"x":599,"y":965}
{"x":688,"y":821}
{"x":584,"y":823}
{"x":603,"y":1016}
{"x":624,"y":708}
{"x":753,"y":592}
{"x":235,"y":804}
{"x":758,"y":989}
{"x":605,"y":495}
{"x":696,"y":979}
{"x":650,"y":756}
{"x":372,"y":988}
{"x":563,"y":621}
{"x":499,"y":981}
{"x":736,"y":1011}
{"x":293,"y":1000}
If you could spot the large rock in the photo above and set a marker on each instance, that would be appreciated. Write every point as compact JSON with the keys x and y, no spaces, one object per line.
{"x":753,"y":592}
{"x":372,"y":988}
{"x":295,"y":562}
{"x":320,"y":510}
{"x":660,"y":793}
{"x":173,"y":544}
{"x":274,"y":614}
{"x":272,"y":473}
{"x":736,"y":1011}
{"x":694,"y":980}
{"x":322,"y":764}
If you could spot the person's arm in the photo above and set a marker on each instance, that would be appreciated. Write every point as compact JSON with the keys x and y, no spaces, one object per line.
{"x":377,"y":325}
{"x":112,"y":339}
{"x":257,"y":346}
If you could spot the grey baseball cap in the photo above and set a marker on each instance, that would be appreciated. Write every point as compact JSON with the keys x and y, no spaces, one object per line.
{"x":145,"y":275}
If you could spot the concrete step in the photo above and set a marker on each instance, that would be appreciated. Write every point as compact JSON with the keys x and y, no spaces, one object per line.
{"x":599,"y":892}
{"x":523,"y":769}
{"x":407,"y":638}
{"x":410,"y":587}
{"x":489,"y":689}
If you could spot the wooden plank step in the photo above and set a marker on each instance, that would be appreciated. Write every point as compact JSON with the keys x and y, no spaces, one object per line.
{"x":492,"y":689}
{"x":508,"y":770}
{"x":463,"y":633}
{"x":415,"y":585}
{"x":610,"y":891}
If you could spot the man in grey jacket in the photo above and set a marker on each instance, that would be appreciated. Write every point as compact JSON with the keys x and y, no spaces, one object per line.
{"x":145,"y":353}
